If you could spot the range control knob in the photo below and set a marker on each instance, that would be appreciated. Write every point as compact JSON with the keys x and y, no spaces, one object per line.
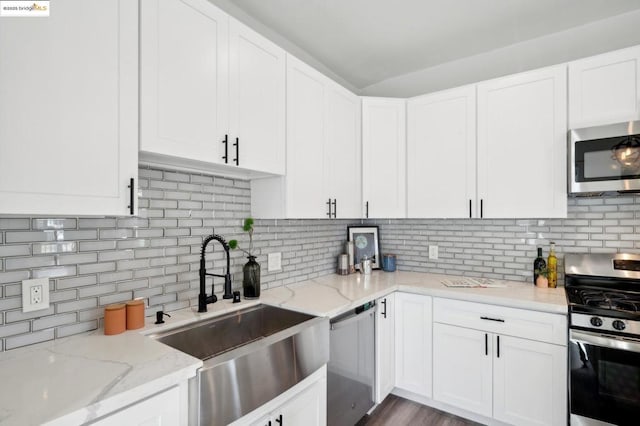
{"x":596,"y":322}
{"x":618,"y":325}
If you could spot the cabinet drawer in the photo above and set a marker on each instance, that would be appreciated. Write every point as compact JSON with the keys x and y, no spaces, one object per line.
{"x":541,"y":326}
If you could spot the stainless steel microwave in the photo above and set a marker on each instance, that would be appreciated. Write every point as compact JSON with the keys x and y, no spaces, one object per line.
{"x":605,"y":158}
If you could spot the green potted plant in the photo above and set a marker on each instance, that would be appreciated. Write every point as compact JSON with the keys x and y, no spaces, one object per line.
{"x":251,"y":269}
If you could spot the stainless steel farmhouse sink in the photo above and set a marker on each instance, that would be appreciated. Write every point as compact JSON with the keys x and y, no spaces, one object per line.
{"x":250,"y":357}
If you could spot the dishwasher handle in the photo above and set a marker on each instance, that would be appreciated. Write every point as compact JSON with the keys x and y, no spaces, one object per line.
{"x":346,"y":321}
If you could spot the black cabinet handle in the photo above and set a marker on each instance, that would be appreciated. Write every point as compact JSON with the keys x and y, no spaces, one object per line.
{"x":131,"y":199}
{"x":335,"y":208}
{"x":268,"y":424}
{"x":498,"y":352}
{"x":225,"y":157}
{"x":237,"y":145}
{"x":367,"y":210}
{"x":279,"y":420}
{"x":492,"y":319}
{"x":470,"y":210}
{"x":384,"y":302}
{"x":481,"y":208}
{"x":486,"y":344}
{"x":328,"y":203}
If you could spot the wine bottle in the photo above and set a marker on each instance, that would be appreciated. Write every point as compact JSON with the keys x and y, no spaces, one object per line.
{"x":552,"y":265}
{"x":538,"y":265}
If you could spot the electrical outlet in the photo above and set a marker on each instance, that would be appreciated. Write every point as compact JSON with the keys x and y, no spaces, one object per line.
{"x":274,"y":262}
{"x":433,"y":252}
{"x":35,"y":294}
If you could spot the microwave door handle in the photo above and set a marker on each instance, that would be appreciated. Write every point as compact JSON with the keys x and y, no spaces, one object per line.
{"x":612,"y":342}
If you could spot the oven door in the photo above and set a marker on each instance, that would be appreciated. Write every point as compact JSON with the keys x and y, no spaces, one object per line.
{"x":605,"y":158}
{"x":604,"y":379}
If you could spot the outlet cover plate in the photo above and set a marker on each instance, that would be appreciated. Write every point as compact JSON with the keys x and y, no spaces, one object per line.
{"x":433,"y":252}
{"x":27,"y":285}
{"x":274,"y":262}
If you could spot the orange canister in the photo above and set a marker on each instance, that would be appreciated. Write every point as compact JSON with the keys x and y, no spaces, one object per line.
{"x":135,"y":314}
{"x":115,"y":319}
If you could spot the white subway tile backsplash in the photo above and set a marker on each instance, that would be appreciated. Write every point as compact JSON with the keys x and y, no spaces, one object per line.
{"x":28,"y":339}
{"x":54,"y":321}
{"x":156,"y":255}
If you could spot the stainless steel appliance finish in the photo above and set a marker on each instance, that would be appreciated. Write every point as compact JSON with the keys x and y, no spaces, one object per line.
{"x":603,"y":292}
{"x":605,"y":158}
{"x":250,"y":357}
{"x":350,"y":372}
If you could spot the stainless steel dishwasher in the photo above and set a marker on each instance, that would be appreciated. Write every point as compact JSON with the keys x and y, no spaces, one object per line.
{"x":350,"y":372}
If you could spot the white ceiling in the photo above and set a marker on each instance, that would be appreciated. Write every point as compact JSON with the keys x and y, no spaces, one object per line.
{"x":368,"y":41}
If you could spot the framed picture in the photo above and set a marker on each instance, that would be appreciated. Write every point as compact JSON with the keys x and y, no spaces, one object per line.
{"x":365,"y":240}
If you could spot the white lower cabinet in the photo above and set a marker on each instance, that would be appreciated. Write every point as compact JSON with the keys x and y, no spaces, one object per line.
{"x":487,"y":371}
{"x":385,"y":347}
{"x":413,"y":343}
{"x":462,"y":368}
{"x":309,"y":408}
{"x":161,"y":409}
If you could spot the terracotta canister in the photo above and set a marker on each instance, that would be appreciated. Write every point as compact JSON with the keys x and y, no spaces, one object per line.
{"x":115,"y":319}
{"x":135,"y":314}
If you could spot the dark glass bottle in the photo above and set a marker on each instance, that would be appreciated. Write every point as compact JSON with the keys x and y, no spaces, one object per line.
{"x":538,"y":265}
{"x":251,"y":279}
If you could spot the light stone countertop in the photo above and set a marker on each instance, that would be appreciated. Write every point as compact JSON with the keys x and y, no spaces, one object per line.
{"x":334,"y":294}
{"x":80,"y":378}
{"x":77,"y":379}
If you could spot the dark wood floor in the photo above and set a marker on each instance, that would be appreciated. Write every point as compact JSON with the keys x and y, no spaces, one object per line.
{"x":395,"y":411}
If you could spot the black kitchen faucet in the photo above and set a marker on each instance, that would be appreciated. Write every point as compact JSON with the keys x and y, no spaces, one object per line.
{"x":203,"y":299}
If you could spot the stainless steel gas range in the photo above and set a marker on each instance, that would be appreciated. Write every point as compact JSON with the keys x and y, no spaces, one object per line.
{"x":603,"y":291}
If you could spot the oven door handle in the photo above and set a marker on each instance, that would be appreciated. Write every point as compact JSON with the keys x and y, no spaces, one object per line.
{"x":613,"y":342}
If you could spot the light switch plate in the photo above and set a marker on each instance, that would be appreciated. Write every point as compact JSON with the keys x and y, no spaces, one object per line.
{"x":35,"y":294}
{"x":274,"y":262}
{"x":433,"y":252}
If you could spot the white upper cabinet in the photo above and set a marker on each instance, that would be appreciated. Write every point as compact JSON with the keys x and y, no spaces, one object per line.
{"x":183,"y":79}
{"x":522,"y":140}
{"x":323,"y":178}
{"x":305,"y":197}
{"x":68,"y":110}
{"x":342,"y":152}
{"x":441,"y":154}
{"x":384,"y":157}
{"x":605,"y":88}
{"x":256,"y":101}
{"x":212,"y":90}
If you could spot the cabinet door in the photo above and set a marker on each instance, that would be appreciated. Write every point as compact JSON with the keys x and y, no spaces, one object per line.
{"x":305,"y":141}
{"x":413,"y":343}
{"x":383,"y":157}
{"x":256,"y":101}
{"x":522,"y":139}
{"x":68,"y":109}
{"x":441,"y":154}
{"x":184,"y":79}
{"x":309,"y":408}
{"x":385,"y":347}
{"x":605,"y":88}
{"x":530,"y":382}
{"x":161,"y":409}
{"x":462,"y":360}
{"x":342,"y":153}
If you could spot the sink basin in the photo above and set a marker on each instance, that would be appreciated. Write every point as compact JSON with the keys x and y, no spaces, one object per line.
{"x":250,"y":357}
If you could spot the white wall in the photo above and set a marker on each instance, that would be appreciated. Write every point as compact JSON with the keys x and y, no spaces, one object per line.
{"x":587,"y":40}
